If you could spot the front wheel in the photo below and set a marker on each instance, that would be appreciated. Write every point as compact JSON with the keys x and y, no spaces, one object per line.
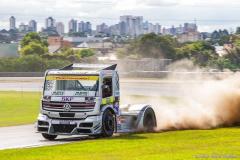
{"x":108,"y":123}
{"x":149,"y":120}
{"x":49,"y":136}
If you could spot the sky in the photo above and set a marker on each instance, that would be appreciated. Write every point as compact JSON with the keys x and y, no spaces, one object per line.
{"x":209,"y":14}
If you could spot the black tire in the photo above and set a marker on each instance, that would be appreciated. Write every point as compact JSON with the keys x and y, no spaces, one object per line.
{"x":108,"y":123}
{"x":49,"y":136}
{"x":149,"y":120}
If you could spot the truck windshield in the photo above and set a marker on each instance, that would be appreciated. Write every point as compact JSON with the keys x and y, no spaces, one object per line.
{"x":71,"y":83}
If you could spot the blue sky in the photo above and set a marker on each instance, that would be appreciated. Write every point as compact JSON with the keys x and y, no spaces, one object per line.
{"x":210,"y":14}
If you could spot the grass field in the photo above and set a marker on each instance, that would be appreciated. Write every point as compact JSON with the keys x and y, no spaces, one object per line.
{"x":17,"y":108}
{"x":176,"y":145}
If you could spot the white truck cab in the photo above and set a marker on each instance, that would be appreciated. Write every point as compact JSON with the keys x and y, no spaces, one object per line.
{"x":83,"y":99}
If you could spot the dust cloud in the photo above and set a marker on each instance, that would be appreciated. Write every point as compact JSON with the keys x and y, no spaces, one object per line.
{"x":213,"y":101}
{"x":208,"y":105}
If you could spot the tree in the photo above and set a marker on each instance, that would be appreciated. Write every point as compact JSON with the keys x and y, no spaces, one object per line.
{"x":32,"y":37}
{"x":32,"y":43}
{"x":86,"y":53}
{"x":33,"y":48}
{"x":151,"y":46}
{"x":200,"y":52}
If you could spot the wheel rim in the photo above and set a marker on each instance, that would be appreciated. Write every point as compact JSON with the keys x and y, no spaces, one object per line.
{"x":149,"y":122}
{"x":109,"y":123}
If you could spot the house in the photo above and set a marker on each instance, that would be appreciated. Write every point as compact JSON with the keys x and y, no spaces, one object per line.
{"x":55,"y":43}
{"x":101,"y":47}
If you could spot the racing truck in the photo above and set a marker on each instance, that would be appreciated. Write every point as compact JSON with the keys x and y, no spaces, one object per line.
{"x":84,"y":99}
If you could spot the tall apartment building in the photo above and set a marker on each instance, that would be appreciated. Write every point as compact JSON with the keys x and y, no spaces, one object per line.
{"x":60,"y":28}
{"x":50,"y":23}
{"x":85,"y":27}
{"x":102,"y":28}
{"x":23,"y":27}
{"x":133,"y":24}
{"x":72,"y":25}
{"x":32,"y":26}
{"x":12,"y":21}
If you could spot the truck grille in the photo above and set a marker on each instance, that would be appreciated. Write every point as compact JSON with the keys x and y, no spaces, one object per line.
{"x":75,"y":106}
{"x":63,"y":128}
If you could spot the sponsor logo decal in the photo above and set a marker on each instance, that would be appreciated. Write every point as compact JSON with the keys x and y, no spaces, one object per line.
{"x":67,"y":99}
{"x":81,"y":94}
{"x":57,"y":93}
{"x":72,"y":77}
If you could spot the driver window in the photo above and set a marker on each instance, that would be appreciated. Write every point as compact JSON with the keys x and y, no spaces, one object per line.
{"x":107,"y":87}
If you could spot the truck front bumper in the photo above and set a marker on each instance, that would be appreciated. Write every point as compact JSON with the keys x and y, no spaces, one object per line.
{"x":91,"y":125}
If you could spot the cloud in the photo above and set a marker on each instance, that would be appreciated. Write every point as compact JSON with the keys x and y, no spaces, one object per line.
{"x":108,"y":11}
{"x":159,"y":3}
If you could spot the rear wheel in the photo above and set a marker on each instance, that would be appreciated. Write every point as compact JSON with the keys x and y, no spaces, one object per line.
{"x":108,"y":123}
{"x":49,"y":136}
{"x":149,"y":120}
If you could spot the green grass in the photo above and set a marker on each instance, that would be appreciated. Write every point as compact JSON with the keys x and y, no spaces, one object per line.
{"x":176,"y":145}
{"x":17,"y":108}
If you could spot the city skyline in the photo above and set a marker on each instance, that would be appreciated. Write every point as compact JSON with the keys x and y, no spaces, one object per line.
{"x":65,"y":27}
{"x":127,"y":25}
{"x":210,"y":15}
{"x":42,"y":23}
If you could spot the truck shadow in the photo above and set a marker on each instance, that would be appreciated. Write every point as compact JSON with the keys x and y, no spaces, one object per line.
{"x":128,"y":136}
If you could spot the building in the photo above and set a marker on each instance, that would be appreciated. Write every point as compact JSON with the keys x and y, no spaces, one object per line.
{"x":85,"y":27}
{"x":60,"y":28}
{"x":123,"y":28}
{"x":78,"y":40}
{"x":72,"y":25}
{"x":102,"y":28}
{"x":189,"y":37}
{"x":12,"y":21}
{"x":151,"y":28}
{"x":23,"y":27}
{"x":88,"y":27}
{"x":50,"y":23}
{"x":32,"y":26}
{"x":190,"y":27}
{"x":81,"y":27}
{"x":55,"y":43}
{"x":134,"y":25}
{"x":157,"y":28}
{"x":100,"y":47}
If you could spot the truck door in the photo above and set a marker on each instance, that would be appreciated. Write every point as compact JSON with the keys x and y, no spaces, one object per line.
{"x":107,"y":87}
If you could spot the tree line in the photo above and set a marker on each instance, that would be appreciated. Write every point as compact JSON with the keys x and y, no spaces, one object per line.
{"x":202,"y":53}
{"x":35,"y":57}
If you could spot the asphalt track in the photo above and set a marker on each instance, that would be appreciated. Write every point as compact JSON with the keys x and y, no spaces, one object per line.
{"x":25,"y":136}
{"x":146,"y":87}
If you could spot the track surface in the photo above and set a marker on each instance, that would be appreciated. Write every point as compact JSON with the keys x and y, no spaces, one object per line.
{"x":25,"y":136}
{"x":128,"y":86}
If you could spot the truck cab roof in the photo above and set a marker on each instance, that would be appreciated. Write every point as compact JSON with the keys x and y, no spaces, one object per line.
{"x":84,"y":69}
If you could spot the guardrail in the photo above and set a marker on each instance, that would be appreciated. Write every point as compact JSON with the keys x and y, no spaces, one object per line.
{"x":21,"y":74}
{"x":133,"y":74}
